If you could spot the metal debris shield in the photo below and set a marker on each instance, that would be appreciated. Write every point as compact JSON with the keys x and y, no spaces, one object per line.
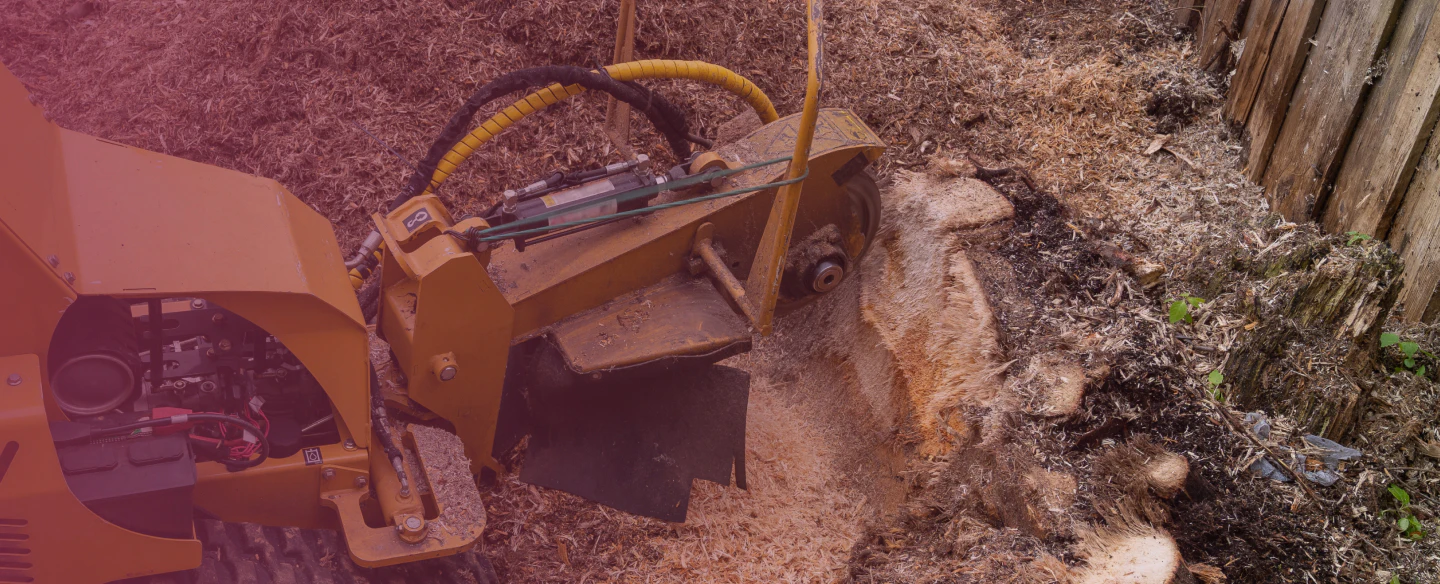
{"x":636,"y":444}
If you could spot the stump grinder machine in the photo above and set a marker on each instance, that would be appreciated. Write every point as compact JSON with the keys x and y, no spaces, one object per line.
{"x":181,"y":340}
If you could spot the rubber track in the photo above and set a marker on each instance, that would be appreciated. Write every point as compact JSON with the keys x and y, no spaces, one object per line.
{"x":245,"y":553}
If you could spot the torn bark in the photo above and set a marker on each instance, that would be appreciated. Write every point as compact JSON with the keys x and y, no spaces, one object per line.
{"x":1333,"y":303}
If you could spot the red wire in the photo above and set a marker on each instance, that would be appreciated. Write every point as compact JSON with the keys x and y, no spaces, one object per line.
{"x":239,"y":447}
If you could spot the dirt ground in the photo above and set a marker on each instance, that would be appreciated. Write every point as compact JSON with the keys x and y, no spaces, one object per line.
{"x":1010,"y":437}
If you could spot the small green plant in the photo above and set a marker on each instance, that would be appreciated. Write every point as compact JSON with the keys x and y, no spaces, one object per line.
{"x":1395,"y":579}
{"x":1357,"y":237}
{"x":1215,"y":379}
{"x":1180,"y":309}
{"x":1409,"y":525}
{"x":1409,"y":350}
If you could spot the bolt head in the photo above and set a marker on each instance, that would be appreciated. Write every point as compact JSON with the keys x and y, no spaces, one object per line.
{"x":412,"y":523}
{"x":69,"y":277}
{"x":349,"y":444}
{"x":361,"y":482}
{"x":13,"y":379}
{"x":224,"y":344}
{"x":54,"y":261}
{"x":327,"y":474}
{"x":448,"y":373}
{"x":197,"y":304}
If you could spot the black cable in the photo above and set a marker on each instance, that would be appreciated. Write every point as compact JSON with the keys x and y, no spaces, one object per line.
{"x":224,"y":419}
{"x":668,"y":119}
{"x":380,"y":422}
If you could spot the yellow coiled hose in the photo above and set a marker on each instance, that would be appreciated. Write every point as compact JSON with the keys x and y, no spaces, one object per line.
{"x":651,"y":69}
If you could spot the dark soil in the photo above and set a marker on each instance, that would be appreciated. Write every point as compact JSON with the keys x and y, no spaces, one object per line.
{"x":1173,"y":105}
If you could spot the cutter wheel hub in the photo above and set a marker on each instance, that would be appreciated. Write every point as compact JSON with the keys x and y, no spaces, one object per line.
{"x":827,"y":276}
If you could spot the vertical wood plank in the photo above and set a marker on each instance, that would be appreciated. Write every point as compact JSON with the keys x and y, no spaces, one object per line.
{"x":1187,"y":13}
{"x":1220,"y":23}
{"x":1287,"y":59}
{"x":1416,"y":236}
{"x":1263,"y":24}
{"x":1326,"y":103}
{"x":1393,"y":128}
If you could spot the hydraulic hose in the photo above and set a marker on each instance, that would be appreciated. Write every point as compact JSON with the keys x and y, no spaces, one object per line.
{"x":451,"y":148}
{"x":381,"y":423}
{"x":627,"y":72}
{"x":666,"y":117}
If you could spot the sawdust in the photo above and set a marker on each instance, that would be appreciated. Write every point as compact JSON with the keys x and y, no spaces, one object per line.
{"x":1055,"y":386}
{"x":1132,"y":558}
{"x":448,"y":472}
{"x":795,"y":523}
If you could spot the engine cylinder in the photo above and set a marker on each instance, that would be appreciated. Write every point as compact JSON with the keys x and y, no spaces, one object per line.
{"x":94,"y":357}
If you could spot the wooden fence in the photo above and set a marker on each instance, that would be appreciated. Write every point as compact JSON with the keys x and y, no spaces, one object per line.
{"x":1338,"y":102}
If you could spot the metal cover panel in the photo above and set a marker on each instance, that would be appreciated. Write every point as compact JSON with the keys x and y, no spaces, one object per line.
{"x":679,"y":317}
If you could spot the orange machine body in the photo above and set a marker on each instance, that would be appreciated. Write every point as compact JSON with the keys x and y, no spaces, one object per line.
{"x":84,"y":216}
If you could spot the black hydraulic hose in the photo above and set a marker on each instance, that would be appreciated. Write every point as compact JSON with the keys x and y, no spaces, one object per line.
{"x":369,"y":297}
{"x":381,"y":422}
{"x":668,"y":119}
{"x":182,"y":418}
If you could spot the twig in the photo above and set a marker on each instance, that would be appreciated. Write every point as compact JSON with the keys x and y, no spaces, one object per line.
{"x":989,"y":174}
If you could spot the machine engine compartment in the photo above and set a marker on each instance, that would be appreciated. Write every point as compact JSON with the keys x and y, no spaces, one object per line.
{"x":221,"y":389}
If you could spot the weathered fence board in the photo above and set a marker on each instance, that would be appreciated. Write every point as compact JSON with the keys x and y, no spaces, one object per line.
{"x":1416,"y":236}
{"x":1220,"y":23}
{"x":1340,"y":105}
{"x":1282,"y":70}
{"x":1187,"y":12}
{"x":1326,"y":103}
{"x":1263,"y":24}
{"x":1393,"y":128}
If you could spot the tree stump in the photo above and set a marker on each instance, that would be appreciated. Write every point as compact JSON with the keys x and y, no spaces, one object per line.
{"x":1320,"y":305}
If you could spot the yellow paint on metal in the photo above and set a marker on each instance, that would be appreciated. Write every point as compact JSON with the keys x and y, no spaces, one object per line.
{"x":681,"y":316}
{"x":438,"y":298}
{"x":281,"y":491}
{"x":130,"y":223}
{"x":549,"y":282}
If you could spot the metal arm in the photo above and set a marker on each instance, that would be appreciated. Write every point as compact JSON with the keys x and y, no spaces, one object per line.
{"x":764,"y":281}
